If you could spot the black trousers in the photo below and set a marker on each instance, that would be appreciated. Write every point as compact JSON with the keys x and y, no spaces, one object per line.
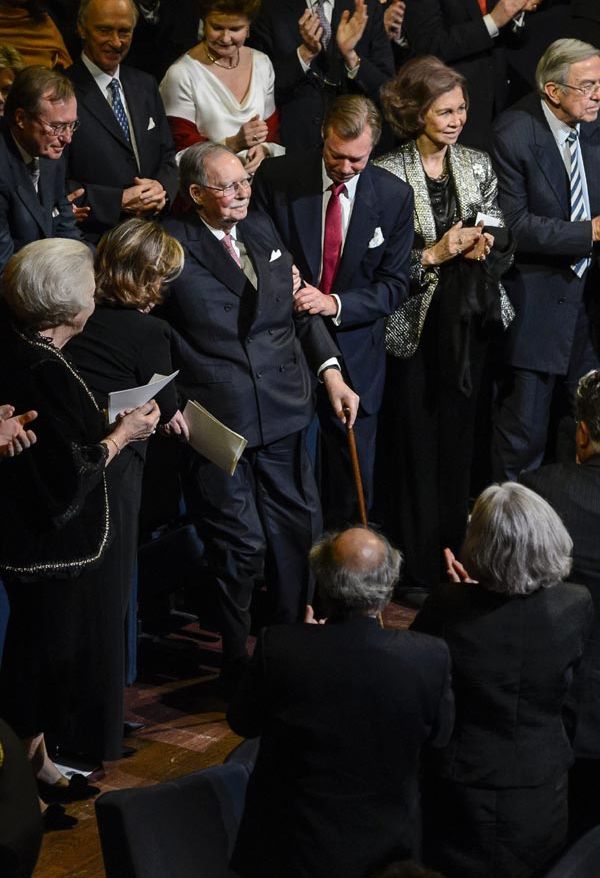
{"x":260,"y":521}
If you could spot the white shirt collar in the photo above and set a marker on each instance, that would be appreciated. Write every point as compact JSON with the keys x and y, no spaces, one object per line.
{"x":102,"y":79}
{"x":560,"y":130}
{"x":350,"y":184}
{"x":219,"y":233}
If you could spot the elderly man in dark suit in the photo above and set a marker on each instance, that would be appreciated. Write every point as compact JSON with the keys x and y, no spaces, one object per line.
{"x":336,"y":196}
{"x":547,"y":158}
{"x":40,"y":118}
{"x":470,"y":35}
{"x":248,"y":362}
{"x":321,"y":49}
{"x":124,"y":156}
{"x":573,"y":490}
{"x":343,"y":710}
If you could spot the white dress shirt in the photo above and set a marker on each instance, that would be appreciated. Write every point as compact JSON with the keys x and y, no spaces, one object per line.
{"x":103,"y":80}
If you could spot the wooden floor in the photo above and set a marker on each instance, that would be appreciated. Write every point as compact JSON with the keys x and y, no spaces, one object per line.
{"x":178,"y":699}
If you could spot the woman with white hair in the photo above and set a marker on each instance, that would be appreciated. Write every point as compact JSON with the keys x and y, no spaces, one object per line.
{"x":57,"y":552}
{"x":495,"y":801}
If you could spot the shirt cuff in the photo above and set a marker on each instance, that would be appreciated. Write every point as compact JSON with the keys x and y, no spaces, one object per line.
{"x":338,"y":317}
{"x":491,"y":26}
{"x":303,"y":64}
{"x":332,"y":361}
{"x":352,"y":74}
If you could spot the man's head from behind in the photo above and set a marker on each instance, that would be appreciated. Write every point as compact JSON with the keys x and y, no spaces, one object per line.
{"x":351,"y":128}
{"x":106,"y":30}
{"x":587,"y":415}
{"x":568,"y":80}
{"x":356,"y":571}
{"x":41,"y":111}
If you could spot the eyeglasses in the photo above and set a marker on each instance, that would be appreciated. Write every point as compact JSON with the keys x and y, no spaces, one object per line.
{"x":237,"y":187}
{"x":587,"y":90}
{"x":58,"y":128}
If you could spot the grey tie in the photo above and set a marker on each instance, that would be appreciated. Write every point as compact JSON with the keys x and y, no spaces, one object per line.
{"x":325,"y":24}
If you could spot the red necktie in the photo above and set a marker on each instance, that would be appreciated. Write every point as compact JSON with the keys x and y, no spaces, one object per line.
{"x":483,"y":6}
{"x":332,"y":239}
{"x":227,"y":242}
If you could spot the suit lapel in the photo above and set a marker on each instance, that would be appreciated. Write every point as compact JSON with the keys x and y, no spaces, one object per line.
{"x":137,"y":110}
{"x":26,"y":190}
{"x":95,"y":102}
{"x":415,"y":177}
{"x":548,"y":157}
{"x":590,"y":151}
{"x":46,"y":193}
{"x":306,"y":206}
{"x":466,"y":187}
{"x":363,"y":222}
{"x":213,"y":256}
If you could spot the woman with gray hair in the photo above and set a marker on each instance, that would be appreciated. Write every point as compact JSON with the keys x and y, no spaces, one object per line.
{"x":495,"y":800}
{"x":57,"y":552}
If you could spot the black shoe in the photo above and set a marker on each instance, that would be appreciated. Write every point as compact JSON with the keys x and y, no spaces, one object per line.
{"x":78,"y":790}
{"x":55,"y":818}
{"x":131,"y":728}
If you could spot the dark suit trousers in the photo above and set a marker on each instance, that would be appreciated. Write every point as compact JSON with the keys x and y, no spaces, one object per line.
{"x":523,"y":406}
{"x":260,"y":521}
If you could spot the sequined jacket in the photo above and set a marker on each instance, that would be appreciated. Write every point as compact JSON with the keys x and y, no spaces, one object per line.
{"x":475,"y":186}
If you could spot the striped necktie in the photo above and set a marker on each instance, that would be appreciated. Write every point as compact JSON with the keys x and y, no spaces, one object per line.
{"x":578,"y":209}
{"x":118,"y":109}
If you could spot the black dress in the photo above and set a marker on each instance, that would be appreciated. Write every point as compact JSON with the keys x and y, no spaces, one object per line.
{"x":62,"y":668}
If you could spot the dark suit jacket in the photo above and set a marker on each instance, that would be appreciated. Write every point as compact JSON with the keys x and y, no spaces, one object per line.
{"x":100,"y":159}
{"x":303,"y":97}
{"x":343,"y":711}
{"x":534,"y":194}
{"x":512,"y":664}
{"x":574,"y":492}
{"x":371,"y":280}
{"x":454,"y":30}
{"x":25,"y":215}
{"x":246,"y":355}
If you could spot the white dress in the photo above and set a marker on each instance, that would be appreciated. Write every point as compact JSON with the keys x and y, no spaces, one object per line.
{"x":191,"y":91}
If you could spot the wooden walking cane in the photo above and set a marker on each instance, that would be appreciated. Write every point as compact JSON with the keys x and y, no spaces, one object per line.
{"x":360,"y":494}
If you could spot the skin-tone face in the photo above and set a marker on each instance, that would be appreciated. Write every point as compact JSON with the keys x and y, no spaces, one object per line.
{"x":568,"y":103}
{"x":7,"y":77}
{"x":225,"y":34}
{"x":34,"y":132}
{"x":107,"y":33}
{"x":445,"y":119}
{"x":218,"y":210}
{"x":345,"y":159}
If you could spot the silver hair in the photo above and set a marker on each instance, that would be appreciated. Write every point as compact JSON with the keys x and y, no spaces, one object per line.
{"x":85,"y":4}
{"x":345,"y":590}
{"x":515,"y":542}
{"x":555,"y":63}
{"x":192,"y":168}
{"x":47,"y":282}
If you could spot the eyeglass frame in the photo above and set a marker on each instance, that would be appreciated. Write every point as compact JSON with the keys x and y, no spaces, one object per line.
{"x":234,"y":187}
{"x":586,"y":90}
{"x":58,"y":128}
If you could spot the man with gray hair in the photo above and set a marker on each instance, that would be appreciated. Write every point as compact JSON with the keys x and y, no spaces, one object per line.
{"x":343,"y":709}
{"x":547,"y":158}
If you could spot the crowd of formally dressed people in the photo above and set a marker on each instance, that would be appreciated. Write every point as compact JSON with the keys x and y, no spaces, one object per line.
{"x":375,"y":218}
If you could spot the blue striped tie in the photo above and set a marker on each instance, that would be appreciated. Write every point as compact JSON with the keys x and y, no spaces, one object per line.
{"x":578,"y":210}
{"x":118,"y":108}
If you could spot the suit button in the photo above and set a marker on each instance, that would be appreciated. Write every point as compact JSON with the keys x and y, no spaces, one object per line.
{"x":271,"y":331}
{"x":259,"y":374}
{"x":282,"y":368}
{"x":249,"y":339}
{"x":562,"y":301}
{"x":227,"y":307}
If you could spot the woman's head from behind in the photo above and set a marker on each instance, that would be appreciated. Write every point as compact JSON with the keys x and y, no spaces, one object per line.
{"x":133,"y":261}
{"x":426,"y":94}
{"x":516,"y":543}
{"x":50,"y":283}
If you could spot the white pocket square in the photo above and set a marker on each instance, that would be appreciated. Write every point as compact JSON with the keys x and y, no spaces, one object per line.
{"x":275,"y":254}
{"x":151,"y":124}
{"x":377,"y":238}
{"x":55,"y":212}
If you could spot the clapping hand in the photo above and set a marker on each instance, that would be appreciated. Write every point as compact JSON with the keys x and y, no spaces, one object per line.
{"x":14,"y":438}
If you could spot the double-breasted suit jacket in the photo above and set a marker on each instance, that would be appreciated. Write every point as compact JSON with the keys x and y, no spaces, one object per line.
{"x":25,"y":215}
{"x":302,"y":98}
{"x":534,"y":194}
{"x":102,"y":161}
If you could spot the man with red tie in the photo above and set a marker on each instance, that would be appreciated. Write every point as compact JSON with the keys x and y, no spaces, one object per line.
{"x":349,"y":226}
{"x":470,"y":35}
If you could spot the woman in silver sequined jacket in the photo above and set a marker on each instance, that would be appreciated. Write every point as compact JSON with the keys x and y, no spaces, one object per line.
{"x":438,"y":339}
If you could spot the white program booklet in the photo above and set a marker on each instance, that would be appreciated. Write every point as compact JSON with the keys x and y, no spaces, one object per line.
{"x":212,"y":439}
{"x":135,"y":396}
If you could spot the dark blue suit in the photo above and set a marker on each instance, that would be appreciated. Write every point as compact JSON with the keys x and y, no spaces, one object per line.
{"x":552,"y":333}
{"x":25,"y":215}
{"x":371,"y":281}
{"x":247,"y":361}
{"x":99,"y":157}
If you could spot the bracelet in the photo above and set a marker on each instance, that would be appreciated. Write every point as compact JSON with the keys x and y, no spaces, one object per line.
{"x":114,"y":442}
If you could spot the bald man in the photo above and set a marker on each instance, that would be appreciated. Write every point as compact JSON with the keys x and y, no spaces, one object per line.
{"x":343,"y":709}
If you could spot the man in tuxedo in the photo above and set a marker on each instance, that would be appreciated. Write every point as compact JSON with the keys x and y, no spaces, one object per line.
{"x":124,"y":156}
{"x":352,"y":246}
{"x":343,"y":710}
{"x":470,"y":35}
{"x":247,"y":360}
{"x":39,"y":120}
{"x":321,"y":49}
{"x":547,"y":158}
